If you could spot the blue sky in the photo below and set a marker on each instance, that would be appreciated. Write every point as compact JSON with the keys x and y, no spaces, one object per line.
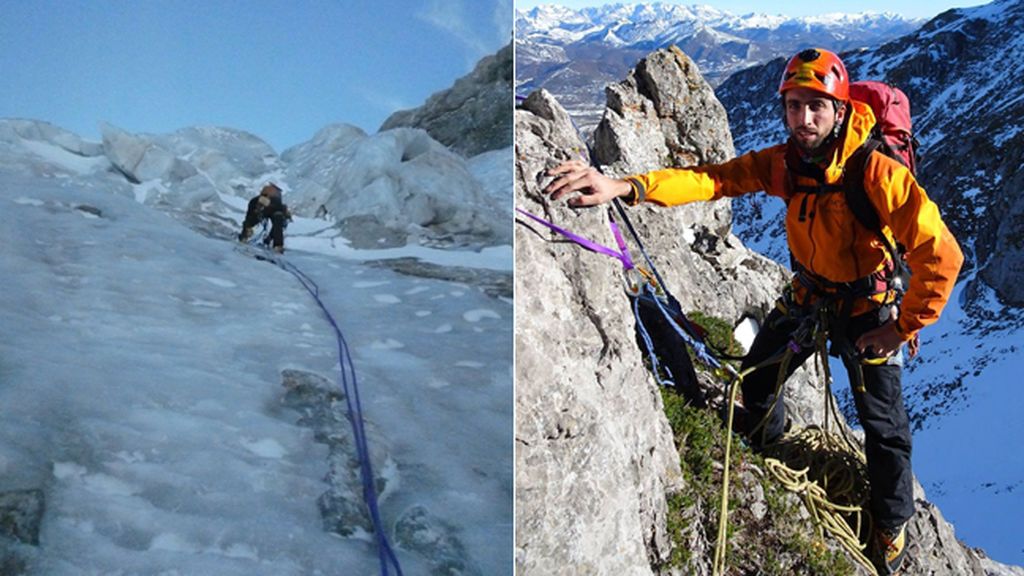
{"x":911,"y":8}
{"x":279,"y":69}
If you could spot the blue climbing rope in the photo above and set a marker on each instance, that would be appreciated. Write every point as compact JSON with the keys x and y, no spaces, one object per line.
{"x":649,"y":344}
{"x":350,"y":386}
{"x":699,"y":347}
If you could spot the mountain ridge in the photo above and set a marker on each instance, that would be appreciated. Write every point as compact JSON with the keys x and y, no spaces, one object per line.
{"x":575,"y":53}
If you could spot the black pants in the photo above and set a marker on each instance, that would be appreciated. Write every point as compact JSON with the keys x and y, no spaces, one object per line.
{"x":879,"y":407}
{"x":277,"y":224}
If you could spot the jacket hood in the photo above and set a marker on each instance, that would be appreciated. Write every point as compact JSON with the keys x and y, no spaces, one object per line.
{"x":858,"y":129}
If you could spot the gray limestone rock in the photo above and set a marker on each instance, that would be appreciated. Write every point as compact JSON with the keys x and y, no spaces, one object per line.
{"x":594,"y":455}
{"x":494,"y":283}
{"x":663,"y":115}
{"x":322,"y":408}
{"x":472,"y":116}
{"x":21,"y":513}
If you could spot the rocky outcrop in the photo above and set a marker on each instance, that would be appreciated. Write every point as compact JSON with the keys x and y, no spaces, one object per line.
{"x":322,"y":408}
{"x":21,"y":518}
{"x":21,"y":513}
{"x":662,"y":115}
{"x":472,"y":116}
{"x":494,"y":283}
{"x":594,"y":456}
{"x":1006,"y":260}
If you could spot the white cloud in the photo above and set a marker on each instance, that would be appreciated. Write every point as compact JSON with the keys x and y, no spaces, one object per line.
{"x":481,"y":36}
{"x":503,"y":17}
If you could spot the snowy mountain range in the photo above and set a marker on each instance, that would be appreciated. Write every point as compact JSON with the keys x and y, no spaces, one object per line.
{"x":574,"y":53}
{"x":967,"y":116}
{"x":170,"y":403}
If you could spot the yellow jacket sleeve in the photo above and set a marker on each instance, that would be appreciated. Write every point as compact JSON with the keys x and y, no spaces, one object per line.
{"x":673,"y":186}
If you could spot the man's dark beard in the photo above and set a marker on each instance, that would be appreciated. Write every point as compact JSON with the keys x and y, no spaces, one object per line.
{"x":819,"y":152}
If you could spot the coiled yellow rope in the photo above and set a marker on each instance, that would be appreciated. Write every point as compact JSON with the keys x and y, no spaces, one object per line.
{"x":828,"y":474}
{"x":816,"y":465}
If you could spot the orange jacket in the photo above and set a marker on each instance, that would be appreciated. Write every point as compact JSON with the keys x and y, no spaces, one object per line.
{"x":829,"y":241}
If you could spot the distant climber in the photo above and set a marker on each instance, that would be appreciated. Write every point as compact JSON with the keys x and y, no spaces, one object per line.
{"x":267,"y":206}
{"x":840,"y":265}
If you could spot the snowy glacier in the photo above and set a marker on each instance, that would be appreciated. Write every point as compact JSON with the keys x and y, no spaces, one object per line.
{"x":144,"y":358}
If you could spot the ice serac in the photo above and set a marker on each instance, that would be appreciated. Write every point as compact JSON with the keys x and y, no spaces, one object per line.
{"x":594,"y":455}
{"x":13,"y":131}
{"x":42,"y":149}
{"x":396,"y":185}
{"x":225,"y":156}
{"x":140,"y":159}
{"x":473,"y":116}
{"x":223,"y":159}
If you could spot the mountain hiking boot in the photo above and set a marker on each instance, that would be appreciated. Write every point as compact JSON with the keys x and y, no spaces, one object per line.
{"x":279,"y":249}
{"x":890,"y":549}
{"x":245,"y":235}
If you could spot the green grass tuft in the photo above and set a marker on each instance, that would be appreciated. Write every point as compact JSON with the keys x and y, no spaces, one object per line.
{"x":779,"y":544}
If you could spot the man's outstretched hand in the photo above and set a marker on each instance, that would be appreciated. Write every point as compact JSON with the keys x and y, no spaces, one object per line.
{"x":594,"y":188}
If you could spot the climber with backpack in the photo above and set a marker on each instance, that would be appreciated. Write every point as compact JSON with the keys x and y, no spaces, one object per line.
{"x":856,"y":221}
{"x":267,"y":206}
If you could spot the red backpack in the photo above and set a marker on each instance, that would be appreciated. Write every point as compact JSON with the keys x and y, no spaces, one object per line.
{"x":892,"y":116}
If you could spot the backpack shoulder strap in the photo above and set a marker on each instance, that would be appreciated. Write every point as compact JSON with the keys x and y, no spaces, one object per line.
{"x":853,"y":187}
{"x":857,"y":197}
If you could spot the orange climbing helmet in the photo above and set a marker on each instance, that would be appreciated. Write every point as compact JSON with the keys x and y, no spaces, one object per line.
{"x":819,"y":70}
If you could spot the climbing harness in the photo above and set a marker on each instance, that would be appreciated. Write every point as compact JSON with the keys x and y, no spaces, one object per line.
{"x":350,"y":388}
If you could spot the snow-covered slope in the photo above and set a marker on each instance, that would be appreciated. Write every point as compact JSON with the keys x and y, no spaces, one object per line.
{"x":144,"y":358}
